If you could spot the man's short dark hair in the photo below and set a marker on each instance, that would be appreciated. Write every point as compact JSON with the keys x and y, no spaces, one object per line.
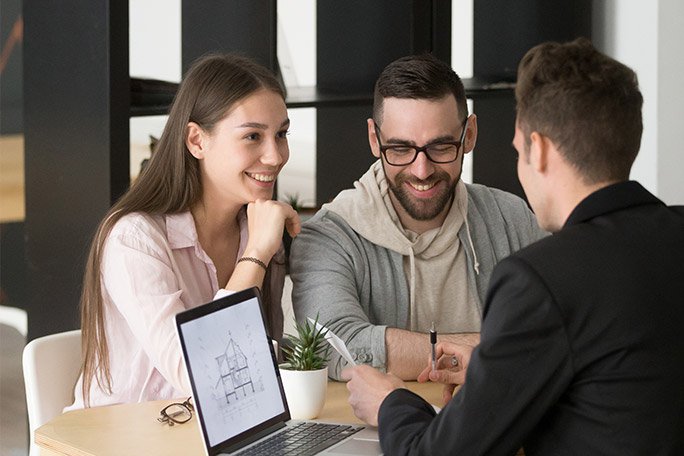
{"x":418,"y":77}
{"x":587,"y":103}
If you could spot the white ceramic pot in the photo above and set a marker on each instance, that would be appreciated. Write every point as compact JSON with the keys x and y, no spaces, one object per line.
{"x":305,"y":392}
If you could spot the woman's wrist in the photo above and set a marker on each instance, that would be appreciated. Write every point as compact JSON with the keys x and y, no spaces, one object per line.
{"x":259,"y":254}
{"x":254,"y":260}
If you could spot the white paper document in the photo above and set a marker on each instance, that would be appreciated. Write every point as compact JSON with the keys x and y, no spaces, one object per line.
{"x":337,"y":343}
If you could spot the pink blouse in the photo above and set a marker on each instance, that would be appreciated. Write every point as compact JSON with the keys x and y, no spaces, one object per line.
{"x":152,"y":268}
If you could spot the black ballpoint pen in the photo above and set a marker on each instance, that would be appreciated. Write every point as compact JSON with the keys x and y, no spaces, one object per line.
{"x":433,"y":341}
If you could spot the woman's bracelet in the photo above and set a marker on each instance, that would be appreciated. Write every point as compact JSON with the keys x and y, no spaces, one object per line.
{"x":253,"y":260}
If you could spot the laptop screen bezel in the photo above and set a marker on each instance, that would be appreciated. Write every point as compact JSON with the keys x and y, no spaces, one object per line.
{"x":201,"y":311}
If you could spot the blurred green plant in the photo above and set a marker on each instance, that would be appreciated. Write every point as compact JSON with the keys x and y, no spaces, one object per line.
{"x":308,"y":349}
{"x":293,"y":200}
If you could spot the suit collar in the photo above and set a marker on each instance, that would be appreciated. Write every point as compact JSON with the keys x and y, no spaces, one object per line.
{"x":612,"y":198}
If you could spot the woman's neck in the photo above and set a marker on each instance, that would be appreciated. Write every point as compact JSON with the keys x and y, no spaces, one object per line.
{"x":218,"y":232}
{"x":215,"y":224}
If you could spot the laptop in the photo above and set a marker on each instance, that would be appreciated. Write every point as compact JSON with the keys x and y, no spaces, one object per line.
{"x":238,"y":394}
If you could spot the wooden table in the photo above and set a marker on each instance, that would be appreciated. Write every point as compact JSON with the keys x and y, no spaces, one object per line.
{"x":12,"y":200}
{"x":134,"y":429}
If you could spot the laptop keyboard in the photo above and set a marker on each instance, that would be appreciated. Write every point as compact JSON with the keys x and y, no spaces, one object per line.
{"x":301,"y":439}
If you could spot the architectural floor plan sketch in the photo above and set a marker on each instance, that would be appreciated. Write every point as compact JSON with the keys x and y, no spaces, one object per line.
{"x":234,"y":372}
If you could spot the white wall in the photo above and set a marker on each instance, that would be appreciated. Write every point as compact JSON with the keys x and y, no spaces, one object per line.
{"x":155,"y":53}
{"x":648,"y":37}
{"x":297,"y":59}
{"x":462,"y":13}
{"x":670,"y":111}
{"x":155,"y":39}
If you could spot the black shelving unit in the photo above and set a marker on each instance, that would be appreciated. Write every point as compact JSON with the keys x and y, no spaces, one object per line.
{"x":77,"y":103}
{"x":246,"y":27}
{"x":76,"y":142}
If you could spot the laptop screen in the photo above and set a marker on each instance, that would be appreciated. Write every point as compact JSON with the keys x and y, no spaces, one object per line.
{"x":232,"y":368}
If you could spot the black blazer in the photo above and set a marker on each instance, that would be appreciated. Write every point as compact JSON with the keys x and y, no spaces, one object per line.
{"x":582,"y":346}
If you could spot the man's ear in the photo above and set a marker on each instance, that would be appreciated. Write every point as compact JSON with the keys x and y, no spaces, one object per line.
{"x":539,"y":151}
{"x":194,"y":140}
{"x":471,"y":135}
{"x":372,"y":138}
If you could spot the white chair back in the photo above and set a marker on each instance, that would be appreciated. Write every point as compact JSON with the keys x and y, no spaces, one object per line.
{"x":14,"y":317}
{"x":51,"y":368}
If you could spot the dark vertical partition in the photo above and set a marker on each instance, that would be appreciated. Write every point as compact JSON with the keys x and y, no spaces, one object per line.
{"x":76,"y":102}
{"x":355,"y":39}
{"x":11,"y":106}
{"x":494,"y":160}
{"x":245,"y":27}
{"x":503,"y":32}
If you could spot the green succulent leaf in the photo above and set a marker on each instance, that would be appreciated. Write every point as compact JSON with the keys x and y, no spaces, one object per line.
{"x":308,"y":349}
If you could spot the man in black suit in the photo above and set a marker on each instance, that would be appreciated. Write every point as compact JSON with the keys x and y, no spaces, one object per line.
{"x":582,"y":344}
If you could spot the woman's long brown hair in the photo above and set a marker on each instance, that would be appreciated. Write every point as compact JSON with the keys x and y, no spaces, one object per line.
{"x":170,"y":183}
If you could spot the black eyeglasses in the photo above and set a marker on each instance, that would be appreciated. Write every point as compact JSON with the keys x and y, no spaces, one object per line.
{"x":405,"y":154}
{"x":176,"y":413}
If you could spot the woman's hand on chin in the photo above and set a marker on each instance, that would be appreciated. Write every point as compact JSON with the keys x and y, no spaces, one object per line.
{"x":266,"y":220}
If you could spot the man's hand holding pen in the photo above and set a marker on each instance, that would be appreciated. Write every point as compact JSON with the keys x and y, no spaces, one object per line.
{"x":451,"y":363}
{"x":368,"y":387}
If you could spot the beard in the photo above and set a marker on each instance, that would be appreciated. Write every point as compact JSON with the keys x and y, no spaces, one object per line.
{"x":418,"y":208}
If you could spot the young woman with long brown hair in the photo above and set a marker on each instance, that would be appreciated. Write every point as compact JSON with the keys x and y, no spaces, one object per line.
{"x":198,"y":220}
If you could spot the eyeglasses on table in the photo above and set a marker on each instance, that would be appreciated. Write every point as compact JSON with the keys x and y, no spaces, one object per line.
{"x":176,"y":413}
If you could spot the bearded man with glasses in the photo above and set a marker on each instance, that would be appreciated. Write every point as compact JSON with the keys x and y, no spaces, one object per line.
{"x":411,"y":244}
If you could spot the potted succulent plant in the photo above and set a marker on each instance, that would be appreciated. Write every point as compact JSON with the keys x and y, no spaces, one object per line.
{"x":305,"y":372}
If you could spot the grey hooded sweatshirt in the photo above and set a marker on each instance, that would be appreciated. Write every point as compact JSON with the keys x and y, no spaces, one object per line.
{"x":355,"y":267}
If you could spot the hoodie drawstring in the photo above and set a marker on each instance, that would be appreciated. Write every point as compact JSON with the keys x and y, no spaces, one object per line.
{"x":412,"y":285}
{"x":476,"y":264}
